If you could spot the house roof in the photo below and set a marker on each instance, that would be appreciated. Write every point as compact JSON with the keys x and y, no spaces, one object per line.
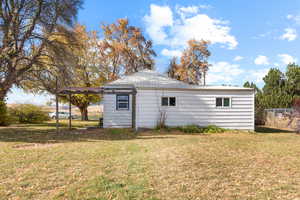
{"x":153,"y":79}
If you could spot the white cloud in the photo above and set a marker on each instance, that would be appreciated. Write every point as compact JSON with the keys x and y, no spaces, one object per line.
{"x":166,"y":29}
{"x":290,"y":34}
{"x":257,"y":75}
{"x":171,"y":53}
{"x":210,"y":29}
{"x":205,"y":6}
{"x":287,"y":59}
{"x":160,"y":17}
{"x":261,"y":60}
{"x":223,"y":72}
{"x":289,"y":16}
{"x":238,"y":58}
{"x":188,"y":9}
{"x":295,"y":18}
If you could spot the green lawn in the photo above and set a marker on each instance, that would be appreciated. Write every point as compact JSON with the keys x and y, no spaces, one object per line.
{"x":37,"y":163}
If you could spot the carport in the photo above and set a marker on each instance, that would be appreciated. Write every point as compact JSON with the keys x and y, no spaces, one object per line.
{"x":92,"y":90}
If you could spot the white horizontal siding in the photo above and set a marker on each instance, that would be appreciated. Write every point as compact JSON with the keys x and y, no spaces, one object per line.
{"x":196,"y":107}
{"x":113,"y":118}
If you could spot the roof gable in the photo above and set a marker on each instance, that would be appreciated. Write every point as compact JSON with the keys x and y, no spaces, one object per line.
{"x":149,"y":78}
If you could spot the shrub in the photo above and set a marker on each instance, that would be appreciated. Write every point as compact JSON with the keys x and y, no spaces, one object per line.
{"x":197,"y":129}
{"x":28,"y":113}
{"x":194,"y":129}
{"x":190,"y":129}
{"x":4,"y":118}
{"x":213,"y":129}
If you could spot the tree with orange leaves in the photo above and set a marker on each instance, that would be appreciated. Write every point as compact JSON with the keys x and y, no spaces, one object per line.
{"x":125,"y":50}
{"x":193,"y":64}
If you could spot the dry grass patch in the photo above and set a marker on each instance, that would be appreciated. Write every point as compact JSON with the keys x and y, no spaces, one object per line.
{"x":37,"y":163}
{"x":229,"y":166}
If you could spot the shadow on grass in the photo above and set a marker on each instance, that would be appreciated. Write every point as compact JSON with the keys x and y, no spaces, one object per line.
{"x":63,"y":123}
{"x":35,"y":135}
{"x":262,"y":129}
{"x":44,"y":134}
{"x":154,"y":137}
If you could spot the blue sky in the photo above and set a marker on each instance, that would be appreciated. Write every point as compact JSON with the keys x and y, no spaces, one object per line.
{"x":248,"y":37}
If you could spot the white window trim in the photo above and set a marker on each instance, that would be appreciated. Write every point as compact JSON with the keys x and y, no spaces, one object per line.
{"x":223,"y":107}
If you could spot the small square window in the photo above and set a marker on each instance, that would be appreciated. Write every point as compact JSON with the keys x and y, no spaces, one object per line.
{"x":164,"y":101}
{"x":172,"y":101}
{"x":226,"y":102}
{"x":122,"y":102}
{"x":219,"y":102}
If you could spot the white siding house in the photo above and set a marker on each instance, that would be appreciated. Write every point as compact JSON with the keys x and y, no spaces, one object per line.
{"x":179,"y":103}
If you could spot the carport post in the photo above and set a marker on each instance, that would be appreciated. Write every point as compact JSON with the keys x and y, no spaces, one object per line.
{"x":70,"y":112}
{"x":133,"y":114}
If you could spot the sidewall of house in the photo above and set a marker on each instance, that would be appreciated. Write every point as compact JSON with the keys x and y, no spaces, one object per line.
{"x":113,"y":118}
{"x":195,"y":108}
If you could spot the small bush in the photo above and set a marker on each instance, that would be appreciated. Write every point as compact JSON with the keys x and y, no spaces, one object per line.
{"x":198,"y":129}
{"x":28,"y":113}
{"x":4,"y":118}
{"x":190,"y":129}
{"x":193,"y":129}
{"x":213,"y":129}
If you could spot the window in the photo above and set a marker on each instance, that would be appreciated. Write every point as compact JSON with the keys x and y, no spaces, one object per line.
{"x":226,"y":102}
{"x":172,"y":101}
{"x":164,"y":101}
{"x":223,"y":102}
{"x":122,"y":102}
{"x":168,"y":101}
{"x":219,"y":102}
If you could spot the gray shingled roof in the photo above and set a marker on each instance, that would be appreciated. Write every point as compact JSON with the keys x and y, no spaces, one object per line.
{"x":153,"y":79}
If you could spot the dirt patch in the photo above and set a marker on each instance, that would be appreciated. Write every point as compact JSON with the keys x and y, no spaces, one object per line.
{"x":34,"y":145}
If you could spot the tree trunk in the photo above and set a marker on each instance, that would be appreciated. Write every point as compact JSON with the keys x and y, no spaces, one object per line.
{"x":84,"y":113}
{"x":2,"y":94}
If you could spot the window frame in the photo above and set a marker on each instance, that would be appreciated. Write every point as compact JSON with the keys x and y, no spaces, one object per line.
{"x":230,"y":102}
{"x":122,"y":101}
{"x":169,"y":105}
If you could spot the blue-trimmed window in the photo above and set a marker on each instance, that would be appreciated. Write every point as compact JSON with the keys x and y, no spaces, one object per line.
{"x":122,"y":102}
